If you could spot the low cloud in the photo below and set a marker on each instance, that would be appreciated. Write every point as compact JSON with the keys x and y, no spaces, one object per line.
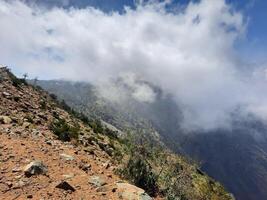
{"x":188,"y":52}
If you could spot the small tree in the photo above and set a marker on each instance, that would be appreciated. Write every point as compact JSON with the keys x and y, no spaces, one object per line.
{"x":35,"y":80}
{"x":25,"y":76}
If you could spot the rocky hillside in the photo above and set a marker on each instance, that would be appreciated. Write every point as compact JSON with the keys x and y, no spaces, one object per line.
{"x":47,"y":152}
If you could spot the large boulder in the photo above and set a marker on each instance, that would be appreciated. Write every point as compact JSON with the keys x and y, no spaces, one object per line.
{"x":127,"y":191}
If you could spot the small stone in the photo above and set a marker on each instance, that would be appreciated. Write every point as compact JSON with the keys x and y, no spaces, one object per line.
{"x":29,"y":196}
{"x":35,"y":168}
{"x":16,"y":169}
{"x":85,"y":166}
{"x":106,"y":165}
{"x":18,"y":177}
{"x":9,"y":184}
{"x":49,"y":194}
{"x":49,"y":142}
{"x":19,"y":184}
{"x":65,"y":186}
{"x":5,"y":120}
{"x":6,"y":94}
{"x":97,"y":181}
{"x":66,"y":157}
{"x":26,"y":124}
{"x":102,"y":189}
{"x":68,"y":176}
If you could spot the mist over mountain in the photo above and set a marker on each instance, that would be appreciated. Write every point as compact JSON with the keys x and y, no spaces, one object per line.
{"x":235,"y":156}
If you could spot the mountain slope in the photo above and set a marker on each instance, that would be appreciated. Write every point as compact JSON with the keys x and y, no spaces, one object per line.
{"x":49,"y":153}
{"x":235,"y":157}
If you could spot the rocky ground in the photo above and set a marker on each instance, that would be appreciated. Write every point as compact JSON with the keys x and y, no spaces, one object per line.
{"x":35,"y":165}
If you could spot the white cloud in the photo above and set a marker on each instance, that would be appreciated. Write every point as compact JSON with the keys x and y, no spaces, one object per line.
{"x":189,"y":53}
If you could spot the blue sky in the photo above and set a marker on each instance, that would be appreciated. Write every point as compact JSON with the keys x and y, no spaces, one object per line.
{"x":256,"y":13}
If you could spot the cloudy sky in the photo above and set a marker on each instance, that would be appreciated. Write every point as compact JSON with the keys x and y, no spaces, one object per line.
{"x":209,"y":54}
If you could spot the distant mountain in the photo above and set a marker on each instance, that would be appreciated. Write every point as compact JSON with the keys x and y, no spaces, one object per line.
{"x":236,"y":157}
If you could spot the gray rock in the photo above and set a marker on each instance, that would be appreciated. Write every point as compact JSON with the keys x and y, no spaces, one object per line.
{"x":145,"y":196}
{"x":66,"y":157}
{"x":97,"y":181}
{"x":35,"y":168}
{"x":127,"y":191}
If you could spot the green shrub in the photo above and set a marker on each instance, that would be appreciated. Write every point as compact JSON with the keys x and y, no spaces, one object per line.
{"x":43,"y":105}
{"x":16,"y":98}
{"x":96,"y":126}
{"x":83,"y":118}
{"x":117,"y":155}
{"x":110,"y":133}
{"x":139,"y":172}
{"x":65,"y":106}
{"x":53,"y":96}
{"x":55,"y":115}
{"x":138,"y":169}
{"x":64,"y":131}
